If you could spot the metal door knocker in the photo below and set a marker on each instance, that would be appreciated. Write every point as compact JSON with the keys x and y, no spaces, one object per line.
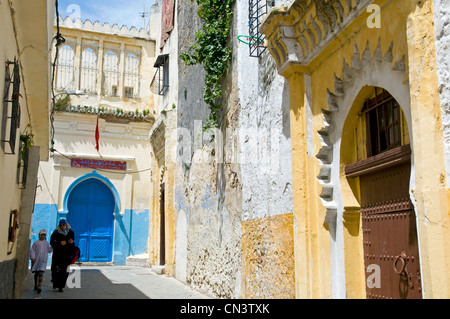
{"x":401,"y":269}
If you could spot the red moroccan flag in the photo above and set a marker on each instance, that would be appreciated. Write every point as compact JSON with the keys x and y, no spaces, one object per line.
{"x":97,"y":136}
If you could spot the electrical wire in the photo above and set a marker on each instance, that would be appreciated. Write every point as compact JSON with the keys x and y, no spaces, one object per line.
{"x":59,"y":40}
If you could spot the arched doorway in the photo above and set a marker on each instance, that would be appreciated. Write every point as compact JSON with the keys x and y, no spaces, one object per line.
{"x":91,"y":205}
{"x":378,"y":170}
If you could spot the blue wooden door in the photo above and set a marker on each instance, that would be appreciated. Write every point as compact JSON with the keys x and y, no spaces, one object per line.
{"x":91,"y":206}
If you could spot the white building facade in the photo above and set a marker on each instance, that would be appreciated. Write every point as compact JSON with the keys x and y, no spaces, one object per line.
{"x":98,"y":175}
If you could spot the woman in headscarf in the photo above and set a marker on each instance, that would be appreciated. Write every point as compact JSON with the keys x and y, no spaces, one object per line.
{"x":61,"y":241}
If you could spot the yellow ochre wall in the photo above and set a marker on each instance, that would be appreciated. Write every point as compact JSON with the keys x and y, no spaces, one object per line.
{"x":268,"y":257}
{"x":407,"y":33}
{"x":26,"y":38}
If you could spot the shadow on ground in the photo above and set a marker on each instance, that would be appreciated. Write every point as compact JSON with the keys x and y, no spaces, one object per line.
{"x":87,"y":284}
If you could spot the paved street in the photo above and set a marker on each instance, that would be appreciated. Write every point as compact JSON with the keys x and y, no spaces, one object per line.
{"x":112,"y":282}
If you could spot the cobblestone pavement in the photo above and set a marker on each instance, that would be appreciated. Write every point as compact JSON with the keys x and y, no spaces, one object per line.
{"x":112,"y":282}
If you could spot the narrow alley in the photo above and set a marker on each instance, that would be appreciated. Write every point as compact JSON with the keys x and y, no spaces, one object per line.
{"x":212,"y":156}
{"x":112,"y":282}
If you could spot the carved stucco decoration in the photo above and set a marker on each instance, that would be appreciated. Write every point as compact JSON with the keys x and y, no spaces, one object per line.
{"x":298,"y":34}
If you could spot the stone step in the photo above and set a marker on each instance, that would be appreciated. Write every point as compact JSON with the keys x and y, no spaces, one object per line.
{"x":159,"y":270}
{"x":138,"y":260}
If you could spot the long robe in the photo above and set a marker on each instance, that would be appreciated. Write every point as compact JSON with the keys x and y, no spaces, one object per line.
{"x":61,"y":256}
{"x":39,"y":252}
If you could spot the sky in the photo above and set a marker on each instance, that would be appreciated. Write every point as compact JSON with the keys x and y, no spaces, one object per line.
{"x":122,"y":12}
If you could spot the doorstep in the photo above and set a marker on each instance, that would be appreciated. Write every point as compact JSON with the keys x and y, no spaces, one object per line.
{"x":138,"y":260}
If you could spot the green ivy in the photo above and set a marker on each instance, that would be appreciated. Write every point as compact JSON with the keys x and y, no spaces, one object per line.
{"x":62,"y":104}
{"x":27,"y":143}
{"x":211,"y":50}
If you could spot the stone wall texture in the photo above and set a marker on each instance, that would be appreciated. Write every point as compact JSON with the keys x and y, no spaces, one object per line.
{"x":7,"y":274}
{"x":268,"y":254}
{"x":238,"y":183}
{"x":442,"y":30}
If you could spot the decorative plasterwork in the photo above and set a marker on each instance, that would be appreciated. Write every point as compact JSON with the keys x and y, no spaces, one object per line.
{"x":298,"y":34}
{"x":351,"y":74}
{"x":81,"y":125}
{"x":114,"y":29}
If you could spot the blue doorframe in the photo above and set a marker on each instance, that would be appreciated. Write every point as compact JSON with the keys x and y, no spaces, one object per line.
{"x":102,"y":178}
{"x":91,"y":204}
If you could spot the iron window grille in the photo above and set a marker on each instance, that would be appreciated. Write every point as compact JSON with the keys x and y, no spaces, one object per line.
{"x":66,"y":69}
{"x":257,"y":10}
{"x":383,"y":123}
{"x":111,"y":74}
{"x":88,"y":71}
{"x":11,"y":115}
{"x":131,"y":79}
{"x":160,"y":81}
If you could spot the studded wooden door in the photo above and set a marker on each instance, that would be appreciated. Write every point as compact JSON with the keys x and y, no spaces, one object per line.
{"x":389,"y":228}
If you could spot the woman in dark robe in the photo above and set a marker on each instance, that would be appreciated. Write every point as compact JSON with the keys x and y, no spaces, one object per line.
{"x":62,"y":242}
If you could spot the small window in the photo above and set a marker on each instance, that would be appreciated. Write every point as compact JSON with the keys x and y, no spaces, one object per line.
{"x":88,"y":75}
{"x":114,"y":90}
{"x":65,"y":71}
{"x":132,"y":75}
{"x":382,"y":122}
{"x":110,"y":73}
{"x":160,"y":82}
{"x":13,"y":225}
{"x":128,"y":92}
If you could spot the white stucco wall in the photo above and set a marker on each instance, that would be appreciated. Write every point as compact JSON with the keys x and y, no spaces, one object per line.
{"x":442,"y":30}
{"x":167,"y":101}
{"x":264,"y":132}
{"x":118,"y":142}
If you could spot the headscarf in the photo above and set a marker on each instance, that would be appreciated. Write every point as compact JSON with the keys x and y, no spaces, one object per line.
{"x":65,"y":231}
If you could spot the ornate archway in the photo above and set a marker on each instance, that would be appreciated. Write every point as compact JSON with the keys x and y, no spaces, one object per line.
{"x":95,"y":175}
{"x":90,"y":205}
{"x":376,"y":160}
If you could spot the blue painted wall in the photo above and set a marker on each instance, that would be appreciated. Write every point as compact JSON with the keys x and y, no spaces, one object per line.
{"x":45,"y":216}
{"x":130,"y":234}
{"x":130,"y":230}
